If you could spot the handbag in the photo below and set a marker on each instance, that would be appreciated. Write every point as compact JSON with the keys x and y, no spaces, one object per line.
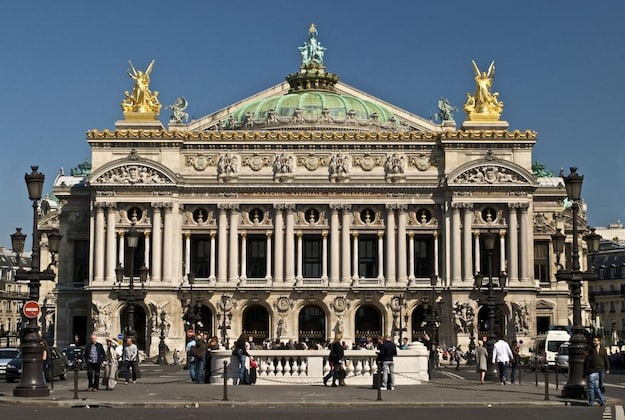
{"x":197,"y":352}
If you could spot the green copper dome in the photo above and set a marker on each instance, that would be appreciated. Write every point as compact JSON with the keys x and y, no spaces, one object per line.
{"x":313,"y":106}
{"x":312,"y":101}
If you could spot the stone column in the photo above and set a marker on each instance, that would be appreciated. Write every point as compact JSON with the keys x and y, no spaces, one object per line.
{"x":111,"y":242}
{"x":435,"y":268}
{"x":390,"y":245}
{"x":381,"y":256}
{"x":502,"y":251}
{"x":300,"y":254}
{"x":467,"y":257}
{"x":513,"y":244}
{"x":355,"y":274}
{"x":212,"y":256}
{"x":222,"y":246}
{"x":187,"y":253}
{"x":402,"y":222}
{"x":168,"y":239}
{"x":346,"y":222}
{"x":100,"y":241}
{"x":157,"y":247}
{"x":122,"y":247}
{"x":146,"y":253}
{"x":446,"y":275}
{"x":233,"y":246}
{"x":411,"y":276}
{"x":269,"y":256}
{"x":324,"y":256}
{"x":278,"y":242}
{"x":478,"y":262}
{"x":456,"y":255}
{"x":289,"y":242}
{"x":524,"y":251}
{"x":335,"y":240}
{"x":92,"y":245}
{"x":243,"y":275}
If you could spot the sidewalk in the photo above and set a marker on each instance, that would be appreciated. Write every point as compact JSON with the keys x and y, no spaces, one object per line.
{"x":170,"y":386}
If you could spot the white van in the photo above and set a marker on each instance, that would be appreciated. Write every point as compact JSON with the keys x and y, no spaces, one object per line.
{"x":546,"y":348}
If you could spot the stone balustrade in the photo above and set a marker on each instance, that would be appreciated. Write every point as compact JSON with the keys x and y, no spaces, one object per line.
{"x":307,"y":367}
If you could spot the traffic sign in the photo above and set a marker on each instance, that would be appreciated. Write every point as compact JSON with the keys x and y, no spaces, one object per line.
{"x":31,"y":309}
{"x":120,"y":336}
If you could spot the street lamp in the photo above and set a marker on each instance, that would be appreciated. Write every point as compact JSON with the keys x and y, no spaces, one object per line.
{"x":574,"y":387}
{"x":192,"y":316}
{"x":131,"y":295}
{"x":491,"y":299}
{"x":31,"y":383}
{"x":224,"y":320}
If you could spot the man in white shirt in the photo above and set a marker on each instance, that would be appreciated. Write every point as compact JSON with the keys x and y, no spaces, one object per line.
{"x":502,"y":354}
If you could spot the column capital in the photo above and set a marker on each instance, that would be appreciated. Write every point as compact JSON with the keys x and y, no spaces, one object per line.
{"x":391,"y":206}
{"x":380,"y":234}
{"x":99,"y":205}
{"x":111,"y":206}
{"x":187,"y":234}
{"x":340,"y":206}
{"x":299,"y":234}
{"x":354,"y":234}
{"x":213,"y":234}
{"x":168,"y":206}
{"x":456,"y":206}
{"x":147,"y":234}
{"x":324,"y":233}
{"x":269,"y":233}
{"x":228,"y":206}
{"x":157,"y":205}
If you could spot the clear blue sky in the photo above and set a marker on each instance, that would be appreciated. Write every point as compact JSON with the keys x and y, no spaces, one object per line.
{"x":560,"y":71}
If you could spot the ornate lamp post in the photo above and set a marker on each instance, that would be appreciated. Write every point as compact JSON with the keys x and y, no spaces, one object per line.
{"x":490,"y":300}
{"x":131,"y":295}
{"x":31,"y":383}
{"x":225,"y":319}
{"x":574,"y":387}
{"x":192,"y":316}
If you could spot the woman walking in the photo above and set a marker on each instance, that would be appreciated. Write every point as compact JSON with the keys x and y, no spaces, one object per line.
{"x":110,"y":365}
{"x":481,"y":360}
{"x":334,"y":359}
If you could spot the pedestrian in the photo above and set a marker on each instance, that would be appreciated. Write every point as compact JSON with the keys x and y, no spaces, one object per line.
{"x":593,"y":365}
{"x":110,"y":364}
{"x":190,"y":358}
{"x":94,"y":356}
{"x":176,"y":357}
{"x":603,"y":361}
{"x":198,"y":351}
{"x":388,"y":351}
{"x":516,"y":359}
{"x":502,"y":355}
{"x":240,"y":352}
{"x":457,"y":356}
{"x":481,"y":360}
{"x":45,"y":359}
{"x":131,"y":360}
{"x":337,"y":354}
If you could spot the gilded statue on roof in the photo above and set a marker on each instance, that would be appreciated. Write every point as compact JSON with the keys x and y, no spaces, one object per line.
{"x":141,"y":101}
{"x":312,"y":51}
{"x":483,"y":105}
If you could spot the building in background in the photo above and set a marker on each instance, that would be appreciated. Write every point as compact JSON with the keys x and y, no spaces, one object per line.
{"x":306,"y":209}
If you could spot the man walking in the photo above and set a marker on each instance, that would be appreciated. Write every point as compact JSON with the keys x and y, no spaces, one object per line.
{"x":502,"y":355}
{"x":388,"y":351}
{"x":94,"y":356}
{"x":131,"y":359}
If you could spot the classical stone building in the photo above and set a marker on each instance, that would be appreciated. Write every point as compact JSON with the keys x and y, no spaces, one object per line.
{"x":306,"y":209}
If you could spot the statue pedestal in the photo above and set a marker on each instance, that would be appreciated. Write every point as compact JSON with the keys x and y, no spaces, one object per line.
{"x":485,"y":125}
{"x":138,"y":123}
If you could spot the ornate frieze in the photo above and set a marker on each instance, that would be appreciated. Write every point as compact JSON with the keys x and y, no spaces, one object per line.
{"x":256,"y":162}
{"x":488,"y":174}
{"x":368,"y":162}
{"x":339,"y":167}
{"x":228,"y":167}
{"x":132,"y":174}
{"x":201,"y":162}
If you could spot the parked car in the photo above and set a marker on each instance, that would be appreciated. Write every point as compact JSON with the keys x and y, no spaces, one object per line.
{"x":58,"y":366}
{"x":6,"y":354}
{"x":562,"y":358}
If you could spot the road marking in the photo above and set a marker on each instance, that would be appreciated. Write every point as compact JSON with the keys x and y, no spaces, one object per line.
{"x":451,"y":375}
{"x":618,"y":412}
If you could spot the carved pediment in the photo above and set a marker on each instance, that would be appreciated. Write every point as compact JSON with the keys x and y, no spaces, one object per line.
{"x":544,"y":305}
{"x":489,"y":174}
{"x":132,"y":174}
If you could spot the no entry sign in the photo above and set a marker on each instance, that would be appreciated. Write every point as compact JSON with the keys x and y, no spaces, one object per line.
{"x":31,"y":309}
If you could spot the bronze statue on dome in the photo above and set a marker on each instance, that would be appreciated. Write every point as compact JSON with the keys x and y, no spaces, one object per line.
{"x":141,"y":100}
{"x":312,"y":51}
{"x":483,"y":105}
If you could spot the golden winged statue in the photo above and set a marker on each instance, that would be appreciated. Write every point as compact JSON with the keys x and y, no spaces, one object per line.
{"x":141,"y":103}
{"x":483,"y":105}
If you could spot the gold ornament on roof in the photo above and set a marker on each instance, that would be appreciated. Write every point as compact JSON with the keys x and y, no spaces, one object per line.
{"x":141,"y":104}
{"x":483,"y":105}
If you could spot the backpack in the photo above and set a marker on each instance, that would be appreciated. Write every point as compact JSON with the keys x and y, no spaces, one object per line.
{"x":197,"y":352}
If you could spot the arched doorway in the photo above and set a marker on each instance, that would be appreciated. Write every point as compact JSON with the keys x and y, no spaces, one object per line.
{"x":139,"y":326}
{"x":312,"y":325}
{"x":256,"y":323}
{"x":500,"y":322}
{"x":368,"y":323}
{"x":419,"y":322}
{"x":205,"y":323}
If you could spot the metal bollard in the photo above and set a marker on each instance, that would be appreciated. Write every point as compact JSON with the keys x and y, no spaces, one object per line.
{"x":225,"y":381}
{"x":520,"y":370}
{"x":547,"y":384}
{"x":75,"y":380}
{"x":380,"y":382}
{"x":557,"y":369}
{"x":536,"y":374}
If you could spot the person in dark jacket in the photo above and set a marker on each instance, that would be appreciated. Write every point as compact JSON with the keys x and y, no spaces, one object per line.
{"x":593,"y":365}
{"x":94,"y":355}
{"x":387,"y":352}
{"x":337,"y":354}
